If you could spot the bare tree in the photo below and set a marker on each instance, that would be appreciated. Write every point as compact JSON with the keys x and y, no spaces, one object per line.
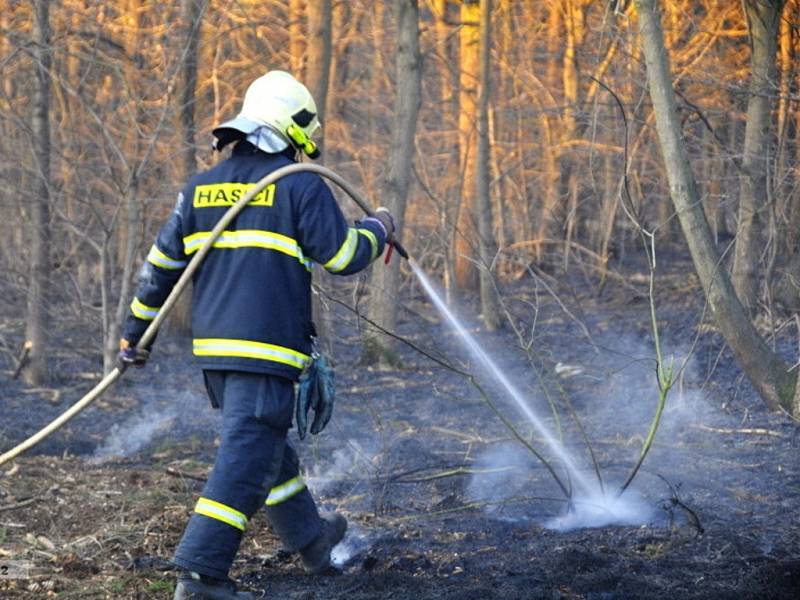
{"x":297,"y":38}
{"x":385,"y":281}
{"x":319,"y":53}
{"x":37,"y":321}
{"x":483,"y":203}
{"x":763,"y":17}
{"x":464,"y":242}
{"x":191,"y":21}
{"x":765,"y":369}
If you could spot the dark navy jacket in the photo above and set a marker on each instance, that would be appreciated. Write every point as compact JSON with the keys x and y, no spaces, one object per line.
{"x":251,"y":305}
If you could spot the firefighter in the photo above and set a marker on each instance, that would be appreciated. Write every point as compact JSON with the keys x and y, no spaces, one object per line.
{"x":252,"y":328}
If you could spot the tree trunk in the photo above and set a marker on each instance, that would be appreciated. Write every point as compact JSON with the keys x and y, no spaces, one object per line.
{"x":297,"y":37}
{"x":318,"y":67}
{"x":191,"y":16}
{"x":548,"y":188}
{"x":483,"y":202}
{"x":767,"y":372}
{"x":465,"y":247}
{"x":128,"y":232}
{"x":385,"y":279}
{"x":37,"y":320}
{"x":763,"y":17}
{"x":317,"y":78}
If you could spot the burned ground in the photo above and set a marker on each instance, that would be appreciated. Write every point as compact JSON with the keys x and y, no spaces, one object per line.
{"x":442,"y":502}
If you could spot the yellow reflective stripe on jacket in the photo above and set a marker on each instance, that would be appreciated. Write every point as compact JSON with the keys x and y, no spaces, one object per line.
{"x":372,"y":240}
{"x":221,"y":512}
{"x":144,"y":312}
{"x":281,"y":493}
{"x":345,"y":254}
{"x":248,"y":238}
{"x":159,"y":259}
{"x":249,"y":349}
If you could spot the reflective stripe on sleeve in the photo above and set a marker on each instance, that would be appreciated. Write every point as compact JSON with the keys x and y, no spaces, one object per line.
{"x":159,"y":259}
{"x":144,"y":312}
{"x":372,"y":240}
{"x":248,"y":238}
{"x":250,"y":349}
{"x":281,"y":493}
{"x":345,"y":254}
{"x":221,"y":512}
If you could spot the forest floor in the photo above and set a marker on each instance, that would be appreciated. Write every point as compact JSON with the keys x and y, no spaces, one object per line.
{"x":442,"y":501}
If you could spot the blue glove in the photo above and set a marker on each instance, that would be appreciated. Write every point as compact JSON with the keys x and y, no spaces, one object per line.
{"x":131,"y":356}
{"x":315,"y":391}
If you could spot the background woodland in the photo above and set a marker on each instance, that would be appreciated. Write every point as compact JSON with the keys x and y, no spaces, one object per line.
{"x":511,"y":138}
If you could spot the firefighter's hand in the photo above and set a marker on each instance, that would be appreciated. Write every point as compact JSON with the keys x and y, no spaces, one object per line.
{"x":385,"y":220}
{"x":129,"y":355}
{"x":315,"y":391}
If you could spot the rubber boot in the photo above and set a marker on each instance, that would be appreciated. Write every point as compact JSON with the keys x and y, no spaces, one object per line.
{"x":316,"y":557}
{"x":192,"y":586}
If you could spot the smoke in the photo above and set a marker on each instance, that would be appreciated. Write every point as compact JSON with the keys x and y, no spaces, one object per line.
{"x":133,"y":434}
{"x":161,"y":415}
{"x":505,"y":474}
{"x":348,"y":468}
{"x":624,"y":403}
{"x":616,"y":412}
{"x":601,"y":510}
{"x":500,"y":473}
{"x":355,"y":542}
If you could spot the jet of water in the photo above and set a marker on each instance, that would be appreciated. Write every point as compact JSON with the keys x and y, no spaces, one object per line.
{"x":491,"y":367}
{"x":592,"y":506}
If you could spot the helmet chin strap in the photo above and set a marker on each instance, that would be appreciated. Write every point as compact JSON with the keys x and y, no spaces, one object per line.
{"x":301,"y":141}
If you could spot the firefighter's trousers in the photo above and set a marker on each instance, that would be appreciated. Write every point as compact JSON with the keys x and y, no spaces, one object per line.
{"x":255,"y":466}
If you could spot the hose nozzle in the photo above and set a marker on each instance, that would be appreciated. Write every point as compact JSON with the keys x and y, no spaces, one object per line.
{"x":394,"y":244}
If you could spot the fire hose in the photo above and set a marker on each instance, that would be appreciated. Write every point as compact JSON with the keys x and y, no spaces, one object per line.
{"x":183,"y":281}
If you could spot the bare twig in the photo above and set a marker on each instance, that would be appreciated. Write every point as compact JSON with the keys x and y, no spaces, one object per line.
{"x":23,"y":358}
{"x":20,"y":504}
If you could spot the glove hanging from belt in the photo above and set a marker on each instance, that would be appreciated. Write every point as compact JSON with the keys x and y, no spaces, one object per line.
{"x":315,"y":391}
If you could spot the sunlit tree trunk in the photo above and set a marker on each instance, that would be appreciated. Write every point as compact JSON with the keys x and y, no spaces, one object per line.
{"x":318,"y":66}
{"x":549,"y":128}
{"x":297,"y":36}
{"x":385,"y":278}
{"x":445,"y":128}
{"x":763,"y":18}
{"x":37,"y":324}
{"x":787,"y":184}
{"x":483,"y":202}
{"x":768,"y":373}
{"x":465,"y":242}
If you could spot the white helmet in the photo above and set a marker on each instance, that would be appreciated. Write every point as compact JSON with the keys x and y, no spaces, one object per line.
{"x":278,"y":101}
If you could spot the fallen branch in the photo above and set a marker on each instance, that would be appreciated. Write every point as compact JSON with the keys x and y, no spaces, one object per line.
{"x":455,"y":473}
{"x":20,"y":504}
{"x":475,"y":505}
{"x":184,"y":475}
{"x":746,"y":431}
